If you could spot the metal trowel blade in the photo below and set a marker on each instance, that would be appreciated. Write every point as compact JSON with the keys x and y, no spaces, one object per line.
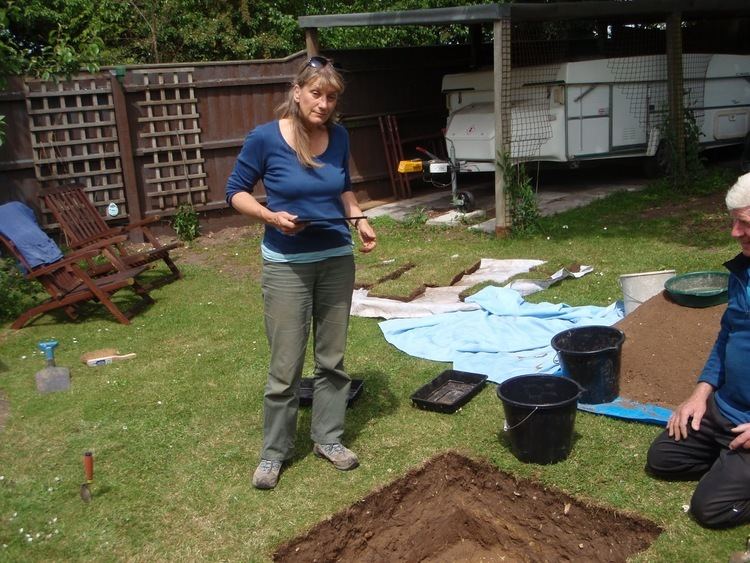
{"x":741,"y":556}
{"x":85,"y":493}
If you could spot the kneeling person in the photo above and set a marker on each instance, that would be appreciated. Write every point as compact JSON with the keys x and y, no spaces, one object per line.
{"x":708,"y":436}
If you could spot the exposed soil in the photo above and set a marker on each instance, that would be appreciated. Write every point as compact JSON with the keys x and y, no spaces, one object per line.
{"x":456,"y":509}
{"x":665,"y":348}
{"x":213,"y":249}
{"x":666,"y":344}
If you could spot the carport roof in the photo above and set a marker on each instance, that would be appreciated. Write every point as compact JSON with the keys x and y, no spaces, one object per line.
{"x":616,"y":9}
{"x":613,"y":11}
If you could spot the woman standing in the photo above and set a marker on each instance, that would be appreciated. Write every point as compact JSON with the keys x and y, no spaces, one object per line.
{"x":308,"y":265}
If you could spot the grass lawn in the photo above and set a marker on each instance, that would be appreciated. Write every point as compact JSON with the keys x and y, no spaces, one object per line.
{"x":176,"y":431}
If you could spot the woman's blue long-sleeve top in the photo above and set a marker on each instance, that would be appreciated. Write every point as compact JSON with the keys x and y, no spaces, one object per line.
{"x":728,"y":366}
{"x":303,"y":191}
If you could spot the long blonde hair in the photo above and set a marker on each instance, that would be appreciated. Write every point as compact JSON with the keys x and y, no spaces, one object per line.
{"x":325,"y":76}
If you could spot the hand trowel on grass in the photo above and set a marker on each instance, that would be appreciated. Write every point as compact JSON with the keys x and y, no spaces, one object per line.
{"x":51,"y":377}
{"x":88,"y":471}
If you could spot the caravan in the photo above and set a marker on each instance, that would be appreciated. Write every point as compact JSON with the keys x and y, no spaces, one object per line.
{"x":595,"y":109}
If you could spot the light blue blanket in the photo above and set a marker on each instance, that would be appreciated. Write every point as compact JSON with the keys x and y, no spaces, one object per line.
{"x":18,"y":223}
{"x":507,"y":337}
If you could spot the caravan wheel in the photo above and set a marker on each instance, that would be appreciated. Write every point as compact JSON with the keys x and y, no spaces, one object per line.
{"x":465,"y":202}
{"x":657,"y":165}
{"x":745,"y":158}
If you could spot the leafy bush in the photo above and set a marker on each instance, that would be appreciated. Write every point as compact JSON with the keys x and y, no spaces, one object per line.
{"x":416,"y":218}
{"x":185,"y":223}
{"x":521,"y":197}
{"x":694,"y":162}
{"x":16,"y":292}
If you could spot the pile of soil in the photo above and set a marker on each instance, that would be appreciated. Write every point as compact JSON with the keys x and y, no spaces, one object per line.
{"x":665,"y":348}
{"x":457,"y":509}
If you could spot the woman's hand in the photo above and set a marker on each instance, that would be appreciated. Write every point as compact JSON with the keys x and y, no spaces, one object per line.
{"x":363,"y":228}
{"x":284,"y":222}
{"x":693,"y":408}
{"x":366,"y":235}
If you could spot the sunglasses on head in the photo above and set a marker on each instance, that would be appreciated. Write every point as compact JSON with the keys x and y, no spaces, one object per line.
{"x":317,"y":62}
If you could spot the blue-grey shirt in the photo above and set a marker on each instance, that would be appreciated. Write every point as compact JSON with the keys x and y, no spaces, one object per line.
{"x":303,"y":191}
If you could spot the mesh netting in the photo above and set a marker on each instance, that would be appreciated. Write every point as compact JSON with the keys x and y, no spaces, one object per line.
{"x":699,"y":283}
{"x":635,"y":57}
{"x":535,"y":64}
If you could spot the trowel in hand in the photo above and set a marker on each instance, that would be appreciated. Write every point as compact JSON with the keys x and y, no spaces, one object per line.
{"x":51,"y":378}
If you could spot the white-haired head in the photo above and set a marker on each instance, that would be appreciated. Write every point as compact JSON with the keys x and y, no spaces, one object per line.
{"x":738,"y":196}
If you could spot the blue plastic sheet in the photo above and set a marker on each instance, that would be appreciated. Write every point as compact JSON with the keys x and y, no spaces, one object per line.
{"x":630,"y":410}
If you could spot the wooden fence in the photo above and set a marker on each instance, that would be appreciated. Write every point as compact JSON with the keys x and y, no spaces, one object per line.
{"x":149,"y":138}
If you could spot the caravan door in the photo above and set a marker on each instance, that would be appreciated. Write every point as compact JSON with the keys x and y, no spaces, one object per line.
{"x":630,"y":116}
{"x":588,"y":122}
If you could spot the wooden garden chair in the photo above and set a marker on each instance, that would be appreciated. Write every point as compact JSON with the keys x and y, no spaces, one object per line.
{"x":83,"y":225}
{"x":68,"y":283}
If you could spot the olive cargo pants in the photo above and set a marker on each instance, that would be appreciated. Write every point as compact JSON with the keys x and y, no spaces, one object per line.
{"x":296,"y":297}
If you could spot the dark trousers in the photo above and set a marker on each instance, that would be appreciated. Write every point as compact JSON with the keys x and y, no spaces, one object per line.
{"x":722,"y":496}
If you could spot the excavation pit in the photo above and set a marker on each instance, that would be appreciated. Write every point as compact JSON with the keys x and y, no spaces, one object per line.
{"x":457,"y":509}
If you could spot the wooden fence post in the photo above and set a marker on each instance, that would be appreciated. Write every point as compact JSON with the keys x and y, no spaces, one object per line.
{"x":311,"y":42}
{"x":676,"y":87}
{"x":501,"y":80}
{"x":129,"y":180}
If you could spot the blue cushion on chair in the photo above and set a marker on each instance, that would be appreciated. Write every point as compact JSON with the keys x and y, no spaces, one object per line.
{"x":18,"y":224}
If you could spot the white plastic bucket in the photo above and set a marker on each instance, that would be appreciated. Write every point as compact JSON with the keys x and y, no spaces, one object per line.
{"x":637,"y":288}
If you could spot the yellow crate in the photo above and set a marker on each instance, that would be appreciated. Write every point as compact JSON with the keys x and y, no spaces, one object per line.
{"x":407,"y":166}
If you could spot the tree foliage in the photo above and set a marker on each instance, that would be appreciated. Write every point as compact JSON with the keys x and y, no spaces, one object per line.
{"x":49,"y":38}
{"x":203,"y":30}
{"x":157,"y":31}
{"x":353,"y":37}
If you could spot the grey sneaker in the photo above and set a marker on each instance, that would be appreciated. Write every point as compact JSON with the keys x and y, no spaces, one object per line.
{"x":267,"y":474}
{"x":342,"y":458}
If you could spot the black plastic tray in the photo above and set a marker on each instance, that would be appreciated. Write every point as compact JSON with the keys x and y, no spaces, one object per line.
{"x":306,"y":391}
{"x":449,"y":391}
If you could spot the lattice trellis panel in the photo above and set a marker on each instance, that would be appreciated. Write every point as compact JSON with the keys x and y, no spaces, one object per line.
{"x":170,"y":137}
{"x":74,"y":138}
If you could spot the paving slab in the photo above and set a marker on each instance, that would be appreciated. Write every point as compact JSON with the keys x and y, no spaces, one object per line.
{"x":559,"y":194}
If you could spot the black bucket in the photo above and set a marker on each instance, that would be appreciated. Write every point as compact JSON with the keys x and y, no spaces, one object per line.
{"x":591,"y":356}
{"x":540,"y":412}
